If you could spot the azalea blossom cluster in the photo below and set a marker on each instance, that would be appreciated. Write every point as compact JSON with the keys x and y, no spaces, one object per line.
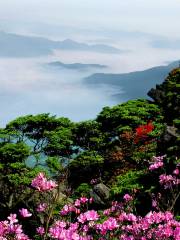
{"x":142,"y":131}
{"x":11,"y":229}
{"x":67,"y":231}
{"x":78,"y":221}
{"x":119,"y":224}
{"x":81,"y":202}
{"x":127,"y":197}
{"x":90,"y":215}
{"x":42,"y":184}
{"x":114,"y":223}
{"x":168,"y":180}
{"x":155,"y":225}
{"x":91,"y":225}
{"x":157,"y":162}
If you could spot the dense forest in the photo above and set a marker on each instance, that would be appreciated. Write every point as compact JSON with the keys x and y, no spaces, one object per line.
{"x":114,"y":177}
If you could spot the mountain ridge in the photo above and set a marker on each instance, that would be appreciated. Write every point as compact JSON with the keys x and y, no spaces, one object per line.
{"x":134,"y":84}
{"x":76,"y":66}
{"x":14,"y":45}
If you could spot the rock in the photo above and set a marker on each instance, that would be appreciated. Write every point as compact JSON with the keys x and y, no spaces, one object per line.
{"x":169,"y":141}
{"x":100,"y":193}
{"x":156,"y":94}
{"x":96,"y":198}
{"x":170,"y":134}
{"x":172,"y":131}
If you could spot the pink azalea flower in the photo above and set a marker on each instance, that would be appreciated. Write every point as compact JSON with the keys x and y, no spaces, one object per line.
{"x":88,"y":216}
{"x":127,"y":198}
{"x":12,"y":218}
{"x":77,"y":203}
{"x":176,"y":171}
{"x":42,"y":184}
{"x":41,"y":207}
{"x":25,"y":213}
{"x":83,"y":200}
{"x":40,"y":231}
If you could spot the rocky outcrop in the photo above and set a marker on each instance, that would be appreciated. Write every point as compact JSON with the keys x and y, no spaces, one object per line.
{"x":100,"y":193}
{"x":167,"y":96}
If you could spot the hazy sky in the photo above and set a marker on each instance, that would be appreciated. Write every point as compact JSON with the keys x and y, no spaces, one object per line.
{"x":26,"y":87}
{"x":153,"y":16}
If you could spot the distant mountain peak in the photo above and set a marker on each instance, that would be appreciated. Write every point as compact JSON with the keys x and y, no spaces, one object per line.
{"x":68,"y":40}
{"x":14,"y":45}
{"x":76,"y":66}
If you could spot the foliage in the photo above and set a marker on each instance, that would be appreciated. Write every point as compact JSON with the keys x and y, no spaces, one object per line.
{"x":54,"y":165}
{"x":59,"y":143}
{"x":128,"y":182}
{"x":88,"y":136}
{"x":131,"y":114}
{"x":84,"y":167}
{"x":42,"y":132}
{"x":15,"y":176}
{"x":83,"y":190}
{"x":13,"y":152}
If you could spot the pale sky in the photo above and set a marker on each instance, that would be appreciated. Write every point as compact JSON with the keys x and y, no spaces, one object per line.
{"x":160,"y":17}
{"x":26,"y":87}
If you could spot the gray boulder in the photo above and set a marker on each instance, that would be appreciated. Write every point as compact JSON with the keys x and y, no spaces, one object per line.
{"x":100,"y":193}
